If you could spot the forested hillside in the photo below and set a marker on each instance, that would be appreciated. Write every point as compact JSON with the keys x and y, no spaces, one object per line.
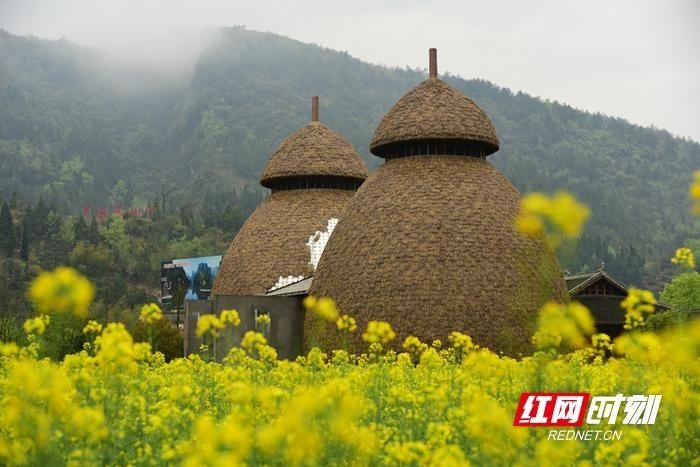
{"x":80,"y":132}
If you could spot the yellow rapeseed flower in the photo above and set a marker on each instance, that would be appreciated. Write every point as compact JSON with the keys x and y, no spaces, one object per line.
{"x":644,"y":346}
{"x":327,"y":309}
{"x":684,"y":257}
{"x":430,"y":358}
{"x":115,"y":348}
{"x":551,"y":452}
{"x":8,"y":349}
{"x":529,"y":220}
{"x":460,"y":341}
{"x":62,"y":290}
{"x":310,"y":302}
{"x":565,"y":326}
{"x":143,"y":351}
{"x":346,"y":323}
{"x":92,"y":327}
{"x":378,"y":332}
{"x":36,"y":325}
{"x":559,"y":216}
{"x":486,"y":422}
{"x":637,"y":304}
{"x":414,"y":346}
{"x":262,"y":319}
{"x":601,"y":343}
{"x":150,"y":313}
{"x":227,"y":443}
{"x":252,"y":340}
{"x":446,"y":406}
{"x":88,"y":423}
{"x":409,"y":453}
{"x":316,"y":358}
{"x":230,"y":317}
{"x":209,"y":325}
{"x":267,"y":353}
{"x":695,"y":193}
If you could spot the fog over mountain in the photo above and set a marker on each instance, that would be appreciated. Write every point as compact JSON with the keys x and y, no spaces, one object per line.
{"x":635,"y":59}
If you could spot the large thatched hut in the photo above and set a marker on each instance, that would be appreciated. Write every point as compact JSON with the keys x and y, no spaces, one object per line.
{"x":427,"y":243}
{"x":312,"y":175}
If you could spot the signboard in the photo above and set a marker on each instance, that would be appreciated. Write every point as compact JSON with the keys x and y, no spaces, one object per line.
{"x":187,"y":279}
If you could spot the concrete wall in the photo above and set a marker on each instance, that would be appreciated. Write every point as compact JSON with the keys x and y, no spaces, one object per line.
{"x":286,"y":332}
{"x":193,"y":309}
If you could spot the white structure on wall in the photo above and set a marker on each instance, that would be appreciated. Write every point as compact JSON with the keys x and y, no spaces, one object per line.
{"x":284,"y":281}
{"x":317,"y":242}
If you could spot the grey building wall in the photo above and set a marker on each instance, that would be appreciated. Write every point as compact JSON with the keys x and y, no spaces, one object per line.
{"x":193,"y":309}
{"x":286,"y":331}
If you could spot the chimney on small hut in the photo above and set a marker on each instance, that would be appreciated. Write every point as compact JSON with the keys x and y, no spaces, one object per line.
{"x":314,"y":109}
{"x":432,"y":53}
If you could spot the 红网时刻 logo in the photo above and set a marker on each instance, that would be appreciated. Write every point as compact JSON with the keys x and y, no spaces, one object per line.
{"x":573,"y":408}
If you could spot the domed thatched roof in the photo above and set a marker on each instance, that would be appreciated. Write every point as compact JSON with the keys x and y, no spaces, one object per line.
{"x":272,"y":242}
{"x":314,"y":150}
{"x":427,"y":244}
{"x":434,"y":111}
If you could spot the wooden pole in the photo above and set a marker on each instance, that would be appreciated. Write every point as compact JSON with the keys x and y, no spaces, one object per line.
{"x":314,"y":109}
{"x":432,"y":53}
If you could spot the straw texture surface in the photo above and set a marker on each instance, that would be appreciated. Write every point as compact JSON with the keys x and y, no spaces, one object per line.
{"x":427,"y":244}
{"x":314,"y":150}
{"x":272,"y":242}
{"x":434,"y":110}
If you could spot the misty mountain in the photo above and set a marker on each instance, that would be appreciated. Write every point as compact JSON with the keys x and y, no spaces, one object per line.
{"x":81,"y":131}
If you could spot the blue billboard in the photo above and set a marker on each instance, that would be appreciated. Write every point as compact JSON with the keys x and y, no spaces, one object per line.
{"x":187,"y":279}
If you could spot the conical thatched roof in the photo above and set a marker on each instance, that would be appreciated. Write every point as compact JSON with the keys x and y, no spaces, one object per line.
{"x":314,"y":150}
{"x":434,"y":111}
{"x":427,"y":244}
{"x":272,"y":242}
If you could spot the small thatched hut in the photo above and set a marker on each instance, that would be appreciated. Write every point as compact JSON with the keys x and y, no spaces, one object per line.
{"x":427,"y":243}
{"x":312,"y":175}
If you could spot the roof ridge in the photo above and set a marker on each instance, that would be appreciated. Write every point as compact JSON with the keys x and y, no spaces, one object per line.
{"x":580,"y":274}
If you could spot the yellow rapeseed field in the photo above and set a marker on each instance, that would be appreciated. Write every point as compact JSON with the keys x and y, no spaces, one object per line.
{"x":435,"y":403}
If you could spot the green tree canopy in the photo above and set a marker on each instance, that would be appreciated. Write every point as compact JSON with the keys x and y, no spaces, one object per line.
{"x":683,"y":292}
{"x":8,"y":239}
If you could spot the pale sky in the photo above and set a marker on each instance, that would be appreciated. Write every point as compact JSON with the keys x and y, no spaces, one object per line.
{"x":636,"y":59}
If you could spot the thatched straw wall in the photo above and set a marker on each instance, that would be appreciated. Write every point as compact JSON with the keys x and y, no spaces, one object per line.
{"x":272,"y":242}
{"x":427,"y":244}
{"x":434,"y":110}
{"x":314,"y":150}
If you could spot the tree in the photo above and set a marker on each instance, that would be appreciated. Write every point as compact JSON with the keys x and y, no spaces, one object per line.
{"x":94,"y":237}
{"x":683,"y":292}
{"x":165,"y":192}
{"x":231,"y":220}
{"x":54,"y":249}
{"x":24,"y":244}
{"x":81,"y":230}
{"x":114,"y":234}
{"x":120,"y":194}
{"x":39,"y":218}
{"x":8,"y":240}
